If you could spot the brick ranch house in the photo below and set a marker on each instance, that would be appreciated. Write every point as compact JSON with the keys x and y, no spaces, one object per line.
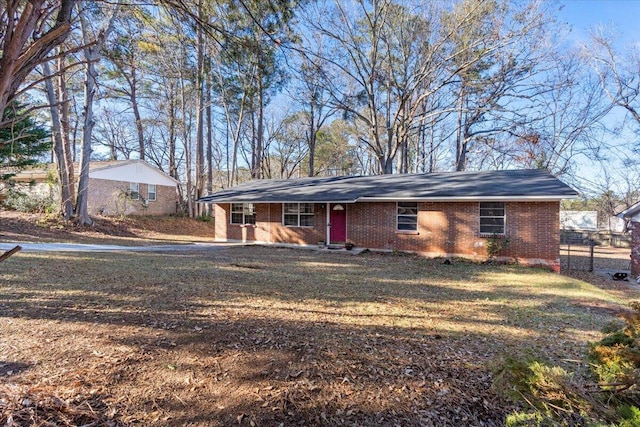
{"x":436,"y":214}
{"x":118,"y":187}
{"x":632,"y":215}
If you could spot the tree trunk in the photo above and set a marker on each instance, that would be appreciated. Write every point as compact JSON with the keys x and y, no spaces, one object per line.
{"x":460,"y":144}
{"x":67,"y":146}
{"x":312,"y":139}
{"x":136,"y":112}
{"x":19,"y":57}
{"x":66,"y":201}
{"x":256,"y":173}
{"x":92,"y":56}
{"x":200,"y":173}
{"x":187,"y":149}
{"x":209,"y":134}
{"x":173,"y":167}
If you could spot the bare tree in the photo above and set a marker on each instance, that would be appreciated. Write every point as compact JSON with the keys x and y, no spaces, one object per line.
{"x":618,"y":72}
{"x":92,"y":48}
{"x":29,"y":31}
{"x":61,"y":144}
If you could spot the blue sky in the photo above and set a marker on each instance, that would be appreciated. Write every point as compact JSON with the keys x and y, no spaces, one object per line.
{"x":583,"y":15}
{"x":622,"y":17}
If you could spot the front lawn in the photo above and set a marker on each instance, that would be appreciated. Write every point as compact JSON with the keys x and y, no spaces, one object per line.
{"x":264,"y":336}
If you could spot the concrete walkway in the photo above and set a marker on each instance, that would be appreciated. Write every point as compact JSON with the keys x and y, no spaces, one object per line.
{"x":79,"y":247}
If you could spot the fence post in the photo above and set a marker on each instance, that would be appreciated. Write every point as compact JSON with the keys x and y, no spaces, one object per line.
{"x":591,"y":246}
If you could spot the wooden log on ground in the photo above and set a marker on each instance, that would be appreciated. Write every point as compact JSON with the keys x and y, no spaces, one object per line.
{"x":10,"y":252}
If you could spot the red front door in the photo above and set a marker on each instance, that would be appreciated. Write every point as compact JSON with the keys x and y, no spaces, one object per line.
{"x":338,"y":221}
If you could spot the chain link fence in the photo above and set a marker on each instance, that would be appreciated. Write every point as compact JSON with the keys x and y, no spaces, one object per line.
{"x":594,"y":257}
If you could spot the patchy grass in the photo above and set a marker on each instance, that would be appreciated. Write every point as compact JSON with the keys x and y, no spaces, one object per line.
{"x":264,"y":336}
{"x":127,"y":231}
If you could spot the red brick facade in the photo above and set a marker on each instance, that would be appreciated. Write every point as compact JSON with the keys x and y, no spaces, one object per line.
{"x":635,"y":249}
{"x":268,"y":227}
{"x":444,"y":229}
{"x":110,"y":198}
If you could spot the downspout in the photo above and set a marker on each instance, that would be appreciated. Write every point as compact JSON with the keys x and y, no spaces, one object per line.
{"x":269,"y":239}
{"x":328,"y":239}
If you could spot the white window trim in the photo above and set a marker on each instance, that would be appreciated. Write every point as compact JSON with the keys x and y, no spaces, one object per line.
{"x":244,"y":215}
{"x":149,"y":193}
{"x":298,"y":215}
{"x":135,"y":191}
{"x":504,"y":220}
{"x":398,"y":214}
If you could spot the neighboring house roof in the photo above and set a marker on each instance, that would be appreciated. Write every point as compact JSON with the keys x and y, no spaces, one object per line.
{"x":130,"y":170}
{"x":114,"y":170}
{"x":632,"y":213}
{"x":447,"y":186}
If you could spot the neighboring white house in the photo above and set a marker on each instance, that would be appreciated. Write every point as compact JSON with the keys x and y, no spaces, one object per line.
{"x":118,"y":187}
{"x":588,"y":221}
{"x":579,"y":220}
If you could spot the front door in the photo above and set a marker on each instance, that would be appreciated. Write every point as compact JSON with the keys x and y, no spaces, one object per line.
{"x":338,"y":221}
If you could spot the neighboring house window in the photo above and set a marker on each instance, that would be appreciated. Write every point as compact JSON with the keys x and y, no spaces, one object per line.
{"x":134,"y":190}
{"x":243,"y":213}
{"x":151,"y":193}
{"x":407,"y":216}
{"x":298,"y":215}
{"x":492,"y":217}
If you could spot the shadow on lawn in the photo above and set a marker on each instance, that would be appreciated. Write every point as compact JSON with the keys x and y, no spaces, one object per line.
{"x":270,"y":336}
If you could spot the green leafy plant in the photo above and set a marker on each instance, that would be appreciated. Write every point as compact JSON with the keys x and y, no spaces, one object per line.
{"x":204,"y":218}
{"x":615,"y":360}
{"x":23,"y":141}
{"x":496,"y":244}
{"x":22,"y":202}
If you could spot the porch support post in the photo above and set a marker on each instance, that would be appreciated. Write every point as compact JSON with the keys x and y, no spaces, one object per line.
{"x":328,"y":226}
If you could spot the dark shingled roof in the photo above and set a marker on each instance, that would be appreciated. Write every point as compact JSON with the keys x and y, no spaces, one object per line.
{"x":447,"y":186}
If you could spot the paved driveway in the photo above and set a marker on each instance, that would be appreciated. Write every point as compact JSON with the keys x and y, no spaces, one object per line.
{"x":78,"y":247}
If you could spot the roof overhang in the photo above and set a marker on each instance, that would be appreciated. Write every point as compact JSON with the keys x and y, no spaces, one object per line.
{"x":468,"y":199}
{"x":274,"y":201}
{"x":404,"y":199}
{"x":632,"y":212}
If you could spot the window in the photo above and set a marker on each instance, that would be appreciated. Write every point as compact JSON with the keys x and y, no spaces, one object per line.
{"x":492,"y":217}
{"x":298,"y":215}
{"x":407,"y":216}
{"x":151,"y":193}
{"x":243,"y":213}
{"x":134,"y":190}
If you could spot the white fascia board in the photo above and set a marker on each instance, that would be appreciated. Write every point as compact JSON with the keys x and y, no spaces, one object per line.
{"x":468,"y":199}
{"x":134,"y":171}
{"x":632,"y":212}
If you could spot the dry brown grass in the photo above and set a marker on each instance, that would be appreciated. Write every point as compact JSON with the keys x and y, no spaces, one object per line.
{"x":264,"y":336}
{"x":128,"y":231}
{"x":578,"y":257}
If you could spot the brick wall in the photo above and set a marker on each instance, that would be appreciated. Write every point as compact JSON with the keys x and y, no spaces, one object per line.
{"x":635,"y":249}
{"x":268,"y":227}
{"x":444,"y":229}
{"x":109,"y":198}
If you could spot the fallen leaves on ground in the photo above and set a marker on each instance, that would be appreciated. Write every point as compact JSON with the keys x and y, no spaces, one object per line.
{"x":264,"y":336}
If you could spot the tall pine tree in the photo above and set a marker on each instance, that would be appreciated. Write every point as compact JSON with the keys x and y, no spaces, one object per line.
{"x":22,"y":141}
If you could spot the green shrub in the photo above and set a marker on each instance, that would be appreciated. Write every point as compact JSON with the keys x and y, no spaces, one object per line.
{"x":629,"y":416}
{"x":615,"y":360}
{"x":32,"y":204}
{"x":556,"y":398}
{"x":495,"y":245}
{"x":204,"y":218}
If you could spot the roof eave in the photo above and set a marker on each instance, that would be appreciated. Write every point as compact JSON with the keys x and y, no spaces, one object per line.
{"x":630,"y":212}
{"x":234,"y":200}
{"x":543,"y":198}
{"x":406,"y":199}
